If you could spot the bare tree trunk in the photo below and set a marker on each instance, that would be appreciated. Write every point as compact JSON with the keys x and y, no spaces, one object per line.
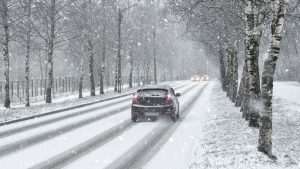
{"x":91,"y":67}
{"x":265,"y":131}
{"x":131,"y":69}
{"x":230,"y":72}
{"x":6,"y":40}
{"x":50,"y":51}
{"x":249,"y":56}
{"x":222,"y":70}
{"x":81,"y":78}
{"x":138,"y":75}
{"x":41,"y":64}
{"x":234,"y":64}
{"x":27,"y":57}
{"x":102,"y":68}
{"x":227,"y":70}
{"x":252,"y":61}
{"x":239,"y":98}
{"x":119,"y":53}
{"x":245,"y":97}
{"x":118,"y":58}
{"x":154,"y":57}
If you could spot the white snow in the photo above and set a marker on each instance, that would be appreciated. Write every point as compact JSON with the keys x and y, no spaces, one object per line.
{"x":226,"y":141}
{"x":179,"y":147}
{"x":103,"y":156}
{"x":212,"y":135}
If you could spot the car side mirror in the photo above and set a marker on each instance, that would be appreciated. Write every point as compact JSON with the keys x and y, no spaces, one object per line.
{"x":178,"y":95}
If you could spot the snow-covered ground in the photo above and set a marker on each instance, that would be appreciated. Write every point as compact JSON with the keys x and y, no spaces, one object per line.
{"x":51,"y":136}
{"x":226,"y":141}
{"x":177,"y":151}
{"x":210,"y":134}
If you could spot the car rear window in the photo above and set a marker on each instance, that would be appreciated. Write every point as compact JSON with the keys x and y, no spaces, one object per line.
{"x":152,"y":92}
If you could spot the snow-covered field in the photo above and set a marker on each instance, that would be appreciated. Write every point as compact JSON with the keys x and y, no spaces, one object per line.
{"x":210,"y":134}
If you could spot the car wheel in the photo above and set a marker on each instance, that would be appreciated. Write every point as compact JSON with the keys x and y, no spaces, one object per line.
{"x":153,"y":118}
{"x":174,"y":117}
{"x":133,"y":119}
{"x":178,"y":112}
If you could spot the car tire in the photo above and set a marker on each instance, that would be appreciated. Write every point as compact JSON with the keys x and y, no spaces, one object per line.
{"x":178,"y":112}
{"x":133,"y":119}
{"x":153,"y":118}
{"x":174,"y":117}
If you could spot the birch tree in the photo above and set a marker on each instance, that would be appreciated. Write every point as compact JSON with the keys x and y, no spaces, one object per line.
{"x":51,"y":27}
{"x":28,"y":48}
{"x":50,"y":51}
{"x":265,"y":131}
{"x":254,"y":17}
{"x":24,"y":30}
{"x":104,"y":39}
{"x":90,"y":47}
{"x":5,"y":41}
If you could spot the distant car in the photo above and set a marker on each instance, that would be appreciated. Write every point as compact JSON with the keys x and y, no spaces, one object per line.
{"x":205,"y":78}
{"x":195,"y":78}
{"x":154,"y":101}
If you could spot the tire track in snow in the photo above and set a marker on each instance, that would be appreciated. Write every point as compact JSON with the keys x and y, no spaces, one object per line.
{"x":141,"y":153}
{"x":60,"y":118}
{"x":30,"y":141}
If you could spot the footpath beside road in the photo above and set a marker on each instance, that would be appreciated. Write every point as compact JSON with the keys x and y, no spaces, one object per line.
{"x":226,"y":141}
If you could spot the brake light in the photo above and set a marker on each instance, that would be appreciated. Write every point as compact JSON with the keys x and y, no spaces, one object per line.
{"x":135,"y":99}
{"x":169,"y":99}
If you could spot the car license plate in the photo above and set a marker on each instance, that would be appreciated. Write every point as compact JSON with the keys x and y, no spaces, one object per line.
{"x":151,"y":114}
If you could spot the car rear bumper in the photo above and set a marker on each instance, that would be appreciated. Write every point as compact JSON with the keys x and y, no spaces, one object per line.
{"x":140,"y":110}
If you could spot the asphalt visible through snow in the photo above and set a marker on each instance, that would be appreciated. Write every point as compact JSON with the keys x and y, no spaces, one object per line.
{"x":70,"y":139}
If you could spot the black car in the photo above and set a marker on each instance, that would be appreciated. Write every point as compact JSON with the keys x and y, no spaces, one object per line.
{"x":153,"y":101}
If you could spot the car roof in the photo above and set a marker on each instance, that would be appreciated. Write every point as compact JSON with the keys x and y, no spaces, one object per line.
{"x":163,"y":87}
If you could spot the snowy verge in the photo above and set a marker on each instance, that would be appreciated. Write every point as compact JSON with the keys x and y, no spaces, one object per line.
{"x":226,"y":141}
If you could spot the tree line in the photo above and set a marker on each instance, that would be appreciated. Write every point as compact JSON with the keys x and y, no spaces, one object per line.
{"x":102,"y":43}
{"x":250,"y":35}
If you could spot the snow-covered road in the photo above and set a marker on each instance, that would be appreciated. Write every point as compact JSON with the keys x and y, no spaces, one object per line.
{"x":103,"y":136}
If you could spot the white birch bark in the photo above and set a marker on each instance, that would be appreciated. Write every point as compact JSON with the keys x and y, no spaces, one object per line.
{"x":81,"y":77}
{"x":90,"y":48}
{"x":227,"y":69}
{"x":265,"y":131}
{"x":252,"y":62}
{"x":6,"y":39}
{"x":102,"y":68}
{"x":234,"y":72}
{"x":222,"y":69}
{"x":240,"y":95}
{"x":51,"y":51}
{"x":28,"y":48}
{"x":91,"y":67}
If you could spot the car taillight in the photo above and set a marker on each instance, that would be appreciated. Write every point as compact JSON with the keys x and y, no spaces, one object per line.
{"x":135,"y":99}
{"x":169,"y":99}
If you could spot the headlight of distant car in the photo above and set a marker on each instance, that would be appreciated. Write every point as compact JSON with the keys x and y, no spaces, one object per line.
{"x":198,"y":78}
{"x":192,"y":78}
